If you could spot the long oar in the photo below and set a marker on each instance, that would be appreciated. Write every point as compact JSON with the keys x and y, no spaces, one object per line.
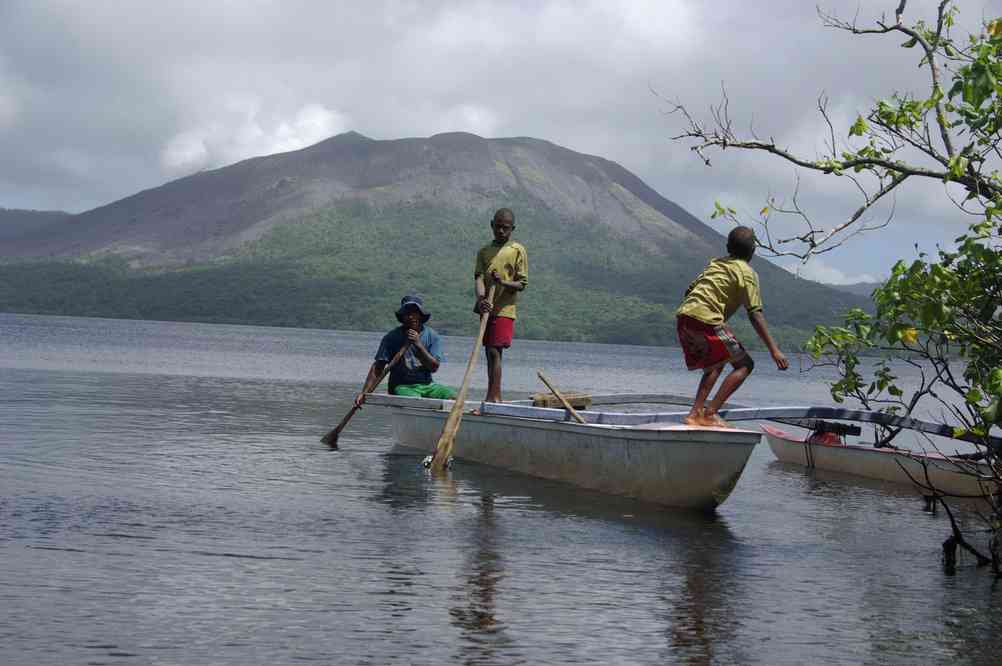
{"x":330,"y":439}
{"x":573,"y":412}
{"x":443,"y":449}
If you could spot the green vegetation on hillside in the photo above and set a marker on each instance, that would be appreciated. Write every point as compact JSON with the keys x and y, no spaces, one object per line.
{"x":347,"y":267}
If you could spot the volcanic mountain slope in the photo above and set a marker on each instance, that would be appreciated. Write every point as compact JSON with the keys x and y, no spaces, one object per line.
{"x":333,"y":234}
{"x":211,"y":213}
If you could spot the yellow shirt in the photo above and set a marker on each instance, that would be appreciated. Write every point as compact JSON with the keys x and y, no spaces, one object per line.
{"x":510,"y":262}
{"x":725,"y":284}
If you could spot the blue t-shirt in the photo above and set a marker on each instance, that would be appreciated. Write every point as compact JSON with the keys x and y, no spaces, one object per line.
{"x":409,"y":369}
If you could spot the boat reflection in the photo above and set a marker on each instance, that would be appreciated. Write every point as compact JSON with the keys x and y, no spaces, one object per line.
{"x":684,"y":563}
{"x":822,"y":483}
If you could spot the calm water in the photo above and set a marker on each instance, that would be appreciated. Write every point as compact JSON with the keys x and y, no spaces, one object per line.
{"x":164,"y":499}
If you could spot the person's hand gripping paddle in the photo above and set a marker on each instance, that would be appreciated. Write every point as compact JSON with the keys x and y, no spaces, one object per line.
{"x":330,"y":439}
{"x":443,"y":449}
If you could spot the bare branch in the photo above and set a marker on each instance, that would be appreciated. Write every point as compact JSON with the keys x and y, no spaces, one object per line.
{"x":723,"y":140}
{"x":823,"y":109}
{"x":930,"y":57}
{"x":895,"y":181}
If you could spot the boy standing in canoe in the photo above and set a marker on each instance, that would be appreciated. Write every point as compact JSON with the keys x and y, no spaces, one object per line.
{"x":502,"y":263}
{"x":707,"y":341}
{"x":411,"y":375}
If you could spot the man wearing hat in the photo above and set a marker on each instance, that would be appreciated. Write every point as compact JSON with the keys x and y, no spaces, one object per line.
{"x":411,"y":376}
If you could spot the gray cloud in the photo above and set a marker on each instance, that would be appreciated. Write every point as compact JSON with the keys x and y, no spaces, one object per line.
{"x":99,"y":100}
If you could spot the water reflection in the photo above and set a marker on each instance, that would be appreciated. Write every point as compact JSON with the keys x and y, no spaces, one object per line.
{"x":832,"y":484}
{"x":474,"y":609}
{"x":699,"y":611}
{"x":687,"y":562}
{"x":404,"y":483}
{"x":133,"y":469}
{"x":972,"y":627}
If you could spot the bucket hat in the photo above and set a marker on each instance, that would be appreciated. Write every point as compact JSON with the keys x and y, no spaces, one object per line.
{"x":416,"y":301}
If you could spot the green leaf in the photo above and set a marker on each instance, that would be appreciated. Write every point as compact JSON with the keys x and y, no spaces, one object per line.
{"x":991,"y":413}
{"x":859,"y":127}
{"x":958,"y":164}
{"x":994,"y":383}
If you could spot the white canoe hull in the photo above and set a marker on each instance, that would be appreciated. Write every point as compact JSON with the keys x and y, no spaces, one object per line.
{"x":669,"y":464}
{"x":958,"y":478}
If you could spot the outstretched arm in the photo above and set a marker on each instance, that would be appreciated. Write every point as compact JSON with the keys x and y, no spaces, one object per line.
{"x":375,"y":372}
{"x":757,"y":320}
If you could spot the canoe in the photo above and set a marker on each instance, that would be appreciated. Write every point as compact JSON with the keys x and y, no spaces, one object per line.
{"x":926,"y":470}
{"x":659,"y":461}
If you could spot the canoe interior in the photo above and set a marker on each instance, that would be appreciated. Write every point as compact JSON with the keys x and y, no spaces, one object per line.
{"x":732,"y":414}
{"x":524,"y":409}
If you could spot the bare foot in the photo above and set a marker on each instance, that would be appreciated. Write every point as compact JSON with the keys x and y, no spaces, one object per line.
{"x":714,"y":420}
{"x":693,"y":420}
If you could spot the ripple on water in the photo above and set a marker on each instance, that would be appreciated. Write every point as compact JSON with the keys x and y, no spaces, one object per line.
{"x":177,"y":506}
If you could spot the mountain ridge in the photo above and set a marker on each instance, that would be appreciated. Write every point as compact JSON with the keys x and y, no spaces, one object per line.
{"x":288,"y":234}
{"x":241,"y":201}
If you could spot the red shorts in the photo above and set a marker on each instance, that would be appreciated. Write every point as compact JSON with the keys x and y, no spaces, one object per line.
{"x":707,"y":345}
{"x":499,"y":332}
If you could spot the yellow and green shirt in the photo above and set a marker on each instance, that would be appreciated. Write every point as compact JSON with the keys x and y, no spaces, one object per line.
{"x":725,"y":284}
{"x":510,"y":262}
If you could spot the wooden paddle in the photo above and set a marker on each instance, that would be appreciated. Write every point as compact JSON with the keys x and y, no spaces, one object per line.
{"x":330,"y":439}
{"x":573,"y":412}
{"x":443,"y":449}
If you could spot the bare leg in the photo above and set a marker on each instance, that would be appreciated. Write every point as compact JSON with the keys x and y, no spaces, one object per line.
{"x":493,"y":374}
{"x":706,"y":383}
{"x":731,"y":382}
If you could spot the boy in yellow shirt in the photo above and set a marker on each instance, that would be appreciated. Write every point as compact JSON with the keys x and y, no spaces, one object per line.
{"x":502,"y":263}
{"x":707,"y":341}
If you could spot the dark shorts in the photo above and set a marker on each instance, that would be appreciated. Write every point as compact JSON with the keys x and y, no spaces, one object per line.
{"x":499,"y":332}
{"x":707,"y":345}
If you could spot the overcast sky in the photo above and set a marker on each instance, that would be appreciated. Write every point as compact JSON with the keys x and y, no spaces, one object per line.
{"x":99,"y":100}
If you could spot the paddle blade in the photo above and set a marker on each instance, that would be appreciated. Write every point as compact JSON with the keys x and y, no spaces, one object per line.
{"x":443,"y":449}
{"x":330,"y":439}
{"x":440,"y":461}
